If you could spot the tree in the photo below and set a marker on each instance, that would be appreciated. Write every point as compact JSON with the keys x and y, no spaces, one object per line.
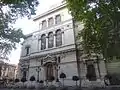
{"x":10,"y":10}
{"x":63,"y":76}
{"x":101,"y":25}
{"x":75,"y":78}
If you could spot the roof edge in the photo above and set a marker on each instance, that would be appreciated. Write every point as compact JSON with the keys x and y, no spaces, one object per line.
{"x":50,"y":11}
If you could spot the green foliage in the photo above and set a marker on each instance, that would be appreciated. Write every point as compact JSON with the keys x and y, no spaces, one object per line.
{"x":101,"y":33}
{"x":10,"y":10}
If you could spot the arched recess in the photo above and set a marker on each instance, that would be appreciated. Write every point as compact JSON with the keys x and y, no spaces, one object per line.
{"x":50,"y":40}
{"x":58,"y":38}
{"x":49,"y":70}
{"x":43,"y":42}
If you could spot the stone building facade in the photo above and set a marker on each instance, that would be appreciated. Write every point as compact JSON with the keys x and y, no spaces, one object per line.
{"x":7,"y":71}
{"x":51,"y":50}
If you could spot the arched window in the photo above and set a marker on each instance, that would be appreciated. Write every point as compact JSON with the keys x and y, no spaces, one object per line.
{"x":57,"y":19}
{"x":50,"y":40}
{"x":58,"y":38}
{"x":43,"y":42}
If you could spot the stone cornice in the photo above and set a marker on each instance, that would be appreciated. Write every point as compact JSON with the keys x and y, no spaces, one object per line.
{"x":51,"y":54}
{"x":50,"y":49}
{"x":50,"y":11}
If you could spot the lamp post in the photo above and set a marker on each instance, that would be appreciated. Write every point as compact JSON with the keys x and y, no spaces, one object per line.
{"x":38,"y":70}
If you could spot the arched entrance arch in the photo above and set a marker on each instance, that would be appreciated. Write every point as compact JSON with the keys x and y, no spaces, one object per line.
{"x":49,"y":70}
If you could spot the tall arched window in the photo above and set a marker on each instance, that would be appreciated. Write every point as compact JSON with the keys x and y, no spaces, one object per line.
{"x":50,"y":40}
{"x":58,"y":37}
{"x":43,"y":42}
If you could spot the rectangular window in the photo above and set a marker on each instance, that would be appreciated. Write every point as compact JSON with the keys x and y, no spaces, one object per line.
{"x":27,"y":50}
{"x":50,"y":21}
{"x":57,"y":19}
{"x":44,"y":24}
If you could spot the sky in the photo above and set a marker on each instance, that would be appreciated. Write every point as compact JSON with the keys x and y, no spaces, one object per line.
{"x":28,"y":26}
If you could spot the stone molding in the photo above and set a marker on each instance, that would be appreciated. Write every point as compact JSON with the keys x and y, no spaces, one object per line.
{"x":42,"y":56}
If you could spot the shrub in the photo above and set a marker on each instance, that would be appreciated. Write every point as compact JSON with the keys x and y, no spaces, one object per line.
{"x":23,"y":80}
{"x":114,"y":79}
{"x":10,"y":80}
{"x":75,"y":78}
{"x":16,"y":80}
{"x":32,"y":78}
{"x":41,"y":81}
{"x":63,"y":76}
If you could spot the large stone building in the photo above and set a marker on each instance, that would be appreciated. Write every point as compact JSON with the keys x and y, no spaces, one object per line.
{"x":7,"y":71}
{"x":51,"y":50}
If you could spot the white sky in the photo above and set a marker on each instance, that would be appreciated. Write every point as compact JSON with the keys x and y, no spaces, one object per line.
{"x":28,"y":26}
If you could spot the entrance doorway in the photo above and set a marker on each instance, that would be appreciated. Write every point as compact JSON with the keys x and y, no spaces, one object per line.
{"x":91,"y":74}
{"x":24,"y":74}
{"x":49,"y":70}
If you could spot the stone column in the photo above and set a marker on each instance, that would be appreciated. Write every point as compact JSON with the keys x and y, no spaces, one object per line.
{"x":39,"y":44}
{"x":96,"y":70}
{"x":63,"y":38}
{"x":46,"y":41}
{"x":54,"y":41}
{"x":53,"y":20}
{"x":45,"y":73}
{"x":62,"y":16}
